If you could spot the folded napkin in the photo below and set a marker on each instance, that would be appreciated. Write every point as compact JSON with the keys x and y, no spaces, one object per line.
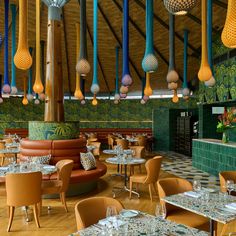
{"x":231,"y":206}
{"x":192,"y":194}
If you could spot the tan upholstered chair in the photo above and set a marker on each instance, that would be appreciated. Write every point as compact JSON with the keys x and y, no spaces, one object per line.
{"x":89,"y":211}
{"x":139,"y":152}
{"x":153,"y":167}
{"x":96,"y":151}
{"x":23,"y":189}
{"x":123,"y":143}
{"x":60,"y":185}
{"x":142,"y":140}
{"x":110,"y":141}
{"x":170,"y":186}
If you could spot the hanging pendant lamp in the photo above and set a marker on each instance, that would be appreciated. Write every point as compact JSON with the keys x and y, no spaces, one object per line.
{"x":25,"y":100}
{"x":117,"y":95}
{"x":172,"y":76}
{"x":126,"y":78}
{"x":36,"y":101}
{"x":38,"y":86}
{"x":211,"y":82}
{"x":94,"y":101}
{"x":142,"y":101}
{"x":186,"y":91}
{"x":95,"y":86}
{"x":30,"y":96}
{"x":83,"y":66}
{"x":42,"y":44}
{"x":13,"y":49}
{"x":78,"y":93}
{"x":228,"y":35}
{"x":148,"y":89}
{"x":22,"y":58}
{"x":179,"y":7}
{"x":0,"y":39}
{"x":175,"y":98}
{"x":149,"y":62}
{"x":1,"y":100}
{"x":204,"y":73}
{"x":6,"y":85}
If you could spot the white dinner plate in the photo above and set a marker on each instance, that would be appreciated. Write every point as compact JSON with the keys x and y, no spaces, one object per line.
{"x":129,"y":213}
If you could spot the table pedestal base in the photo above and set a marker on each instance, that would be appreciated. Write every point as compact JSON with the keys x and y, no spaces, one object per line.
{"x":119,"y":190}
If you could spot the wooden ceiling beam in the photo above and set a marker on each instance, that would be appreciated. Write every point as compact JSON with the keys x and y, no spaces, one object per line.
{"x":118,"y":40}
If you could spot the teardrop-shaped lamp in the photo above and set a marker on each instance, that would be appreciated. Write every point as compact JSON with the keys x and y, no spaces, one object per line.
{"x":175,"y":97}
{"x":94,"y":101}
{"x":172,"y":86}
{"x":179,"y":7}
{"x":228,"y":35}
{"x":22,"y":58}
{"x":186,"y":91}
{"x":149,"y":62}
{"x":148,"y":90}
{"x":117,"y":95}
{"x":25,"y":100}
{"x":205,"y":72}
{"x":126,"y":78}
{"x":30,"y":96}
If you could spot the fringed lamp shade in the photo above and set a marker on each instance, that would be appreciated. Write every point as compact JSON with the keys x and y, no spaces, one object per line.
{"x":6,"y":86}
{"x":186,"y":91}
{"x":149,"y":62}
{"x":147,"y":89}
{"x":211,"y":82}
{"x":228,"y":35}
{"x":172,"y":76}
{"x":126,"y":78}
{"x":38,"y":86}
{"x":22,"y":58}
{"x":179,"y":7}
{"x":95,"y":86}
{"x":204,"y":73}
{"x":25,"y":100}
{"x":13,"y":49}
{"x":1,"y":100}
{"x":78,"y":93}
{"x":117,"y":95}
{"x":83,"y":66}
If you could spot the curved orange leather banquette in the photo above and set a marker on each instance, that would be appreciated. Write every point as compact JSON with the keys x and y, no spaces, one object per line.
{"x":59,"y":150}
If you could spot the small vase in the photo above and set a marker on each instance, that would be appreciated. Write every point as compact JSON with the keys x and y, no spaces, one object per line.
{"x":225,"y":137}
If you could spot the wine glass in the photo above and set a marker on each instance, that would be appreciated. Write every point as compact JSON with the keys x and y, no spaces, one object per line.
{"x":160,"y":211}
{"x":111,"y":211}
{"x":196,"y":185}
{"x":230,"y":186}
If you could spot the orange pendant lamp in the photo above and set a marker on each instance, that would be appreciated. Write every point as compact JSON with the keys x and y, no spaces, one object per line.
{"x":78,"y":93}
{"x":204,"y":72}
{"x":25,"y":100}
{"x":228,"y":35}
{"x":94,"y":101}
{"x":22,"y":58}
{"x":148,"y":89}
{"x":175,"y":98}
{"x":38,"y":86}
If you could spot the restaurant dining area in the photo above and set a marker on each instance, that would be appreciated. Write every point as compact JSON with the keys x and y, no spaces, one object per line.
{"x":118,"y":117}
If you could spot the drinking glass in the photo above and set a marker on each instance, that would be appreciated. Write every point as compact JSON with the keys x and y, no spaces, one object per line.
{"x":196,"y":185}
{"x":230,"y":186}
{"x":160,"y":211}
{"x":111,"y":211}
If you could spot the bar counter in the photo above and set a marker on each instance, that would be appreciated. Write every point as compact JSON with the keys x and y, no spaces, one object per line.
{"x":213,"y":156}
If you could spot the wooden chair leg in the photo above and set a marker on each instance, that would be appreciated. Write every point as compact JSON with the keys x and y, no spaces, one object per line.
{"x":36,"y":215}
{"x":39,"y":205}
{"x":12,"y":210}
{"x":155,"y":188}
{"x":150,"y":190}
{"x":2,"y":161}
{"x":130,"y":189}
{"x":224,"y":229}
{"x":63,"y":200}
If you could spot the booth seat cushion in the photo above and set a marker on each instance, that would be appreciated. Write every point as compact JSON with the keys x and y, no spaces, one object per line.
{"x":81,"y":175}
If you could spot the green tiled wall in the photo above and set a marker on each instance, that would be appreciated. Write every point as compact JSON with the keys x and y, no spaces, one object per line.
{"x":213,"y":158}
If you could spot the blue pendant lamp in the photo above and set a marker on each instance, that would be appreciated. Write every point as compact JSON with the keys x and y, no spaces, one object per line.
{"x":172,"y":76}
{"x":117,"y":95}
{"x":13,"y":49}
{"x":126,"y":78}
{"x":1,"y":100}
{"x":149,"y":62}
{"x":211,"y":82}
{"x":6,"y":85}
{"x":95,"y":86}
{"x":30,"y":96}
{"x":186,"y":91}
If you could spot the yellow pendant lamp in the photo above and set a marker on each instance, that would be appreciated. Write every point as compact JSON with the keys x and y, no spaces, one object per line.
{"x":228,"y":35}
{"x":205,"y":72}
{"x":22,"y":58}
{"x":78,"y":93}
{"x":25,"y":100}
{"x":38,"y":86}
{"x":94,"y":101}
{"x":148,"y":89}
{"x":175,"y":98}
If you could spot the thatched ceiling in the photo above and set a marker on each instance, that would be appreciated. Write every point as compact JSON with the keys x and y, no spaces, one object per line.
{"x":110,"y":15}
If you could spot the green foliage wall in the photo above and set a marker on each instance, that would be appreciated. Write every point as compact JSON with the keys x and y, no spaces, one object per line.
{"x":127,"y":114}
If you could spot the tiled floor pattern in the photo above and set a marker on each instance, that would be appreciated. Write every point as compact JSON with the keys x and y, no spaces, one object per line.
{"x":181,"y":165}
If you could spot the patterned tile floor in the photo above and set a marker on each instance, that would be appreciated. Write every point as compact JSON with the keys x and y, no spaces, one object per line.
{"x":181,"y":165}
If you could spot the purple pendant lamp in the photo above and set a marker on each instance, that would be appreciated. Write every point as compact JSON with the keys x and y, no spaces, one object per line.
{"x":126,"y":78}
{"x":1,"y":100}
{"x":211,"y":82}
{"x":186,"y":91}
{"x":6,"y":85}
